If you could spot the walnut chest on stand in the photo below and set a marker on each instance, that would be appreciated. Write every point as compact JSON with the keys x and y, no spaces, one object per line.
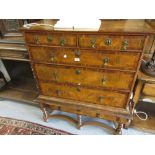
{"x":88,"y":72}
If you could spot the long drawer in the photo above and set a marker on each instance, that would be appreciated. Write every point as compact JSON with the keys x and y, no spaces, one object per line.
{"x":101,"y":59}
{"x":84,"y":76}
{"x":90,"y":96}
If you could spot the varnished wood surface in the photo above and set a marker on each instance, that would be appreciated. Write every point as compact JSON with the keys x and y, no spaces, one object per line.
{"x":85,"y":58}
{"x":128,"y":25}
{"x":106,"y":98}
{"x":107,"y":26}
{"x":63,"y":94}
{"x":85,"y":77}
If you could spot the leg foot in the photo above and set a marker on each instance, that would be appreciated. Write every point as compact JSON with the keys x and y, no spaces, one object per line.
{"x":126,"y":125}
{"x":119,"y":129}
{"x":79,"y":121}
{"x":45,"y":114}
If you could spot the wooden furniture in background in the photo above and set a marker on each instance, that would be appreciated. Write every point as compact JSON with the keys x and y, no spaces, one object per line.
{"x":14,"y":62}
{"x":15,"y":65}
{"x":88,"y":72}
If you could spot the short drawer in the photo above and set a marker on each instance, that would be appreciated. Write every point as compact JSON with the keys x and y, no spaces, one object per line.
{"x":92,"y":96}
{"x":87,"y":77}
{"x":101,"y":59}
{"x":111,"y":42}
{"x":53,"y":39}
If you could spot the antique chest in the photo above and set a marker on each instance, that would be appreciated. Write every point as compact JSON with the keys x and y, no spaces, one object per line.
{"x":87,"y":72}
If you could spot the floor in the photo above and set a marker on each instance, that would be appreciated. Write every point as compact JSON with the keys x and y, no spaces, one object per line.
{"x":32,"y":113}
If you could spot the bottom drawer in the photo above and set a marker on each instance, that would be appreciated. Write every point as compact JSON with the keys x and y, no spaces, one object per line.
{"x":90,"y":96}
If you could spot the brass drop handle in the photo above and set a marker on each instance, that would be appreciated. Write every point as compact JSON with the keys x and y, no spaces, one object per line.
{"x":108,"y":41}
{"x":55,"y":75}
{"x":58,"y":92}
{"x":77,"y":54}
{"x":106,"y":61}
{"x":77,"y":71}
{"x":52,"y":56}
{"x":93,"y":43}
{"x":49,"y":38}
{"x":101,"y":98}
{"x":62,"y":42}
{"x":104,"y":80}
{"x":124,"y":44}
{"x":36,"y":39}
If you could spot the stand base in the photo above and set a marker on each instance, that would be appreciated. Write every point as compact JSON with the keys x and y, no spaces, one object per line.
{"x":78,"y":121}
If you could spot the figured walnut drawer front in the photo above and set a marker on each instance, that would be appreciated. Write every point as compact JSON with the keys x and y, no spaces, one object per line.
{"x":101,"y":97}
{"x":80,"y":76}
{"x":52,"y":39}
{"x":111,"y":42}
{"x":102,"y":59}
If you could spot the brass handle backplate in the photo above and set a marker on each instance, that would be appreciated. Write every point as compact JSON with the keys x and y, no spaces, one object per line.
{"x":62,"y":41}
{"x":49,"y":38}
{"x":108,"y":41}
{"x":55,"y":75}
{"x":36,"y":39}
{"x":125,"y":44}
{"x":52,"y":56}
{"x":93,"y":43}
{"x":77,"y":71}
{"x":104,"y":80}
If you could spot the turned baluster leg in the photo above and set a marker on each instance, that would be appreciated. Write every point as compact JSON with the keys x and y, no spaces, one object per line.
{"x":119,"y":129}
{"x":45,"y":114}
{"x":79,"y":121}
{"x":126,"y":125}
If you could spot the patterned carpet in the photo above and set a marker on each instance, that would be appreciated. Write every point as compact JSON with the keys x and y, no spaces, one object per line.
{"x":9,"y":126}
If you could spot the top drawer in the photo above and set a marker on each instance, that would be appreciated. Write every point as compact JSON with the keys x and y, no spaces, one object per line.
{"x":111,"y":42}
{"x":53,"y":39}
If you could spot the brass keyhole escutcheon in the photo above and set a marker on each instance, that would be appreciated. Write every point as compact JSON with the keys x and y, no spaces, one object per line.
{"x":49,"y":38}
{"x":77,"y":54}
{"x":36,"y":39}
{"x":77,"y":71}
{"x":108,"y":41}
{"x":125,"y":44}
{"x":106,"y":61}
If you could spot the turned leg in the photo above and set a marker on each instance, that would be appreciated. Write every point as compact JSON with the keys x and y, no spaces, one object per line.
{"x":45,"y":114}
{"x":79,"y":121}
{"x":126,"y":125}
{"x":119,"y":129}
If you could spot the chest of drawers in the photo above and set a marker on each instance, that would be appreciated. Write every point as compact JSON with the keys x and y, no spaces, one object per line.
{"x":89,"y":73}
